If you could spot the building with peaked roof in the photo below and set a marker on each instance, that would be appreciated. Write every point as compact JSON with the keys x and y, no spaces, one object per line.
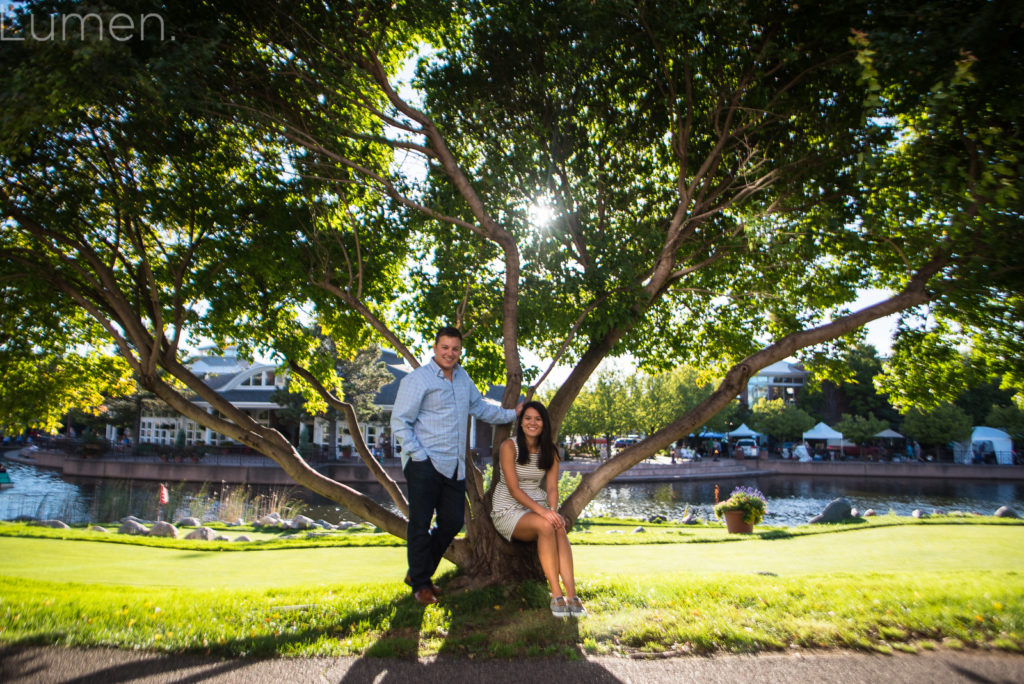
{"x":251,"y":387}
{"x":780,"y":380}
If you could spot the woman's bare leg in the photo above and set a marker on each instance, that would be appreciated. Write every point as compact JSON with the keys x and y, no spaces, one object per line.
{"x":565,"y":568}
{"x":532,"y":527}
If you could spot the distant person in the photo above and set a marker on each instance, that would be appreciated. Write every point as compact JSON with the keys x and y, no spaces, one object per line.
{"x":428,"y":422}
{"x":801,"y":453}
{"x":525,"y":504}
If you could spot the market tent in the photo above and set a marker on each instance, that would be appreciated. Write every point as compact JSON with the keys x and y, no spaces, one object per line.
{"x":1000,"y":441}
{"x":822,"y":432}
{"x":743,"y":431}
{"x":889,"y":433}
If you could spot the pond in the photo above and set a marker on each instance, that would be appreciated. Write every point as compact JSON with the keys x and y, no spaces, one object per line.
{"x":792,"y":500}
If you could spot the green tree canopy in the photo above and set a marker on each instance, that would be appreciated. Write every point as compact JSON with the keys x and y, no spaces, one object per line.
{"x":860,"y":429}
{"x":938,"y":426}
{"x":781,"y":420}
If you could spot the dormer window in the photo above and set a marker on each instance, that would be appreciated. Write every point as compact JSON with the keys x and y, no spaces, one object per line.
{"x":261,"y":379}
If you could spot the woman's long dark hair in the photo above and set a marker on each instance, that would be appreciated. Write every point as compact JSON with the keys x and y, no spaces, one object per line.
{"x":548,"y":451}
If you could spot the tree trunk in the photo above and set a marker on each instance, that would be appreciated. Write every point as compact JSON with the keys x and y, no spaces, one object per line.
{"x":484,"y":556}
{"x":486,"y":559}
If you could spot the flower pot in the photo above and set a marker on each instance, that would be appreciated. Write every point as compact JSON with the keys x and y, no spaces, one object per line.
{"x":734,"y":523}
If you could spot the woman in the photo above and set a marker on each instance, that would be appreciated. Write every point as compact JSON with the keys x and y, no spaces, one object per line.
{"x":526,"y":501}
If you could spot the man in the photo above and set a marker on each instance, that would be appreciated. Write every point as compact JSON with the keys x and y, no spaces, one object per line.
{"x":429,"y":419}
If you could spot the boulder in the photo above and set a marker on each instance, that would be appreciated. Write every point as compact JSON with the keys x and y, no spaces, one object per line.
{"x":132,"y":527}
{"x":204,"y":533}
{"x":638,"y":530}
{"x":269,"y":520}
{"x":854,"y":513}
{"x":55,"y":524}
{"x":1006,"y":512}
{"x":163,"y":529}
{"x":918,"y":513}
{"x":689,"y":519}
{"x":656,"y":519}
{"x":222,"y":537}
{"x":301,"y":522}
{"x":324,"y":524}
{"x":837,"y":510}
{"x":236,"y":523}
{"x":97,"y":528}
{"x":188,"y":522}
{"x":345,"y":524}
{"x":870,"y":513}
{"x":243,"y":538}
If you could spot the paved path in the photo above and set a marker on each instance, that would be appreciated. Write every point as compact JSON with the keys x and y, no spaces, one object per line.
{"x":40,"y":665}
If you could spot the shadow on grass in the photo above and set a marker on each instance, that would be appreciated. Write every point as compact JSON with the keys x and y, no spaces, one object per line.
{"x":497,"y":633}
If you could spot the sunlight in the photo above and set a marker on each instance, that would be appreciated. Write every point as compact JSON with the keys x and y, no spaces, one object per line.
{"x":541,"y":213}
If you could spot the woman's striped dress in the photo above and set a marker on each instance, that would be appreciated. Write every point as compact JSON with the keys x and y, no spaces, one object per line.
{"x":506,"y":511}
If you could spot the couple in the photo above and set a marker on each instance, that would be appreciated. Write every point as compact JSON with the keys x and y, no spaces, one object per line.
{"x":429,"y":419}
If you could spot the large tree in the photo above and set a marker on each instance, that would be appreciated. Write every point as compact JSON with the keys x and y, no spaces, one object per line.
{"x":718,"y":181}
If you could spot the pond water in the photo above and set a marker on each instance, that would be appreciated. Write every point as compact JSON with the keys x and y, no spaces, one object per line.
{"x":792,"y":500}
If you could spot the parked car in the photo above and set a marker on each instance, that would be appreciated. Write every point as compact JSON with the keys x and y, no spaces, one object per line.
{"x":745,"y":447}
{"x":624,"y":442}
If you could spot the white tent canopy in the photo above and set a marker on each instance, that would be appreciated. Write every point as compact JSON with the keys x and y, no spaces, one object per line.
{"x":744,"y":431}
{"x":1001,"y":443}
{"x":889,"y":433}
{"x":822,"y":431}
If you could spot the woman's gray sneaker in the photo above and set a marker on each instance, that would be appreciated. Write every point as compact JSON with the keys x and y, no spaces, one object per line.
{"x":576,"y":608}
{"x":559,"y":608}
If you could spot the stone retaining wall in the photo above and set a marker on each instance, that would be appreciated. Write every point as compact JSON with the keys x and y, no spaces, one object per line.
{"x":259,"y":471}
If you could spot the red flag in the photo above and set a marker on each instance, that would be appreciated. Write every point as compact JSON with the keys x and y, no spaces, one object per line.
{"x":164,"y":498}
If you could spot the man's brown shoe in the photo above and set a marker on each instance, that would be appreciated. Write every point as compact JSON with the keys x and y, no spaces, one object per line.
{"x":433,"y":587}
{"x":425,"y":597}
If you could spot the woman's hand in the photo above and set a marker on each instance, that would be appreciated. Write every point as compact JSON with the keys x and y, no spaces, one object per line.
{"x":553,"y":517}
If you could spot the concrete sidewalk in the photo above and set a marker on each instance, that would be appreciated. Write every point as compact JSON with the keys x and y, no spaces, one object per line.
{"x":42,"y":665}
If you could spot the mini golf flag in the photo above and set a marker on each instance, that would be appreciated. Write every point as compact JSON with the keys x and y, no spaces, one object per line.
{"x":163,"y":495}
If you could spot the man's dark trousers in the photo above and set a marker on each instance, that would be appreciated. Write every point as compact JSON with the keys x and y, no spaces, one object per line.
{"x":430,"y":491}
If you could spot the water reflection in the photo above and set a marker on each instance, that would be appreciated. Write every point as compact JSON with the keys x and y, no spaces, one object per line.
{"x":792,"y":500}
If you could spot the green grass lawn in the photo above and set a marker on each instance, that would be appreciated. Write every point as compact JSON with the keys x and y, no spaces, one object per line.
{"x":902,"y":548}
{"x":880,"y":586}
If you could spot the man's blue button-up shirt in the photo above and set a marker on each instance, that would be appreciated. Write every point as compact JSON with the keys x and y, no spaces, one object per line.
{"x":430,"y":414}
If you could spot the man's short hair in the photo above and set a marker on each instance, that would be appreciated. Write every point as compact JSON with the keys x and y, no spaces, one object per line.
{"x":448,"y":331}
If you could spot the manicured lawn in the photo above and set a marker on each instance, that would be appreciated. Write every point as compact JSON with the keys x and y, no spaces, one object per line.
{"x":900,"y":548}
{"x":877,"y":586}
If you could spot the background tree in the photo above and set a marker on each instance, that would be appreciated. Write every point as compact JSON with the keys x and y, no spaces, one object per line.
{"x":720,"y":179}
{"x":783,"y":421}
{"x":846,"y":385}
{"x":860,"y":429}
{"x":938,"y":426}
{"x":1009,"y":418}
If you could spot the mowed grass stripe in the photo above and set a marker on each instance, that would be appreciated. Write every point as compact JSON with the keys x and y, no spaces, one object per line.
{"x":902,"y":548}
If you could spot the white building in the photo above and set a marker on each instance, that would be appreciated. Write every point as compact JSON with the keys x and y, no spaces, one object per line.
{"x":781,"y":380}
